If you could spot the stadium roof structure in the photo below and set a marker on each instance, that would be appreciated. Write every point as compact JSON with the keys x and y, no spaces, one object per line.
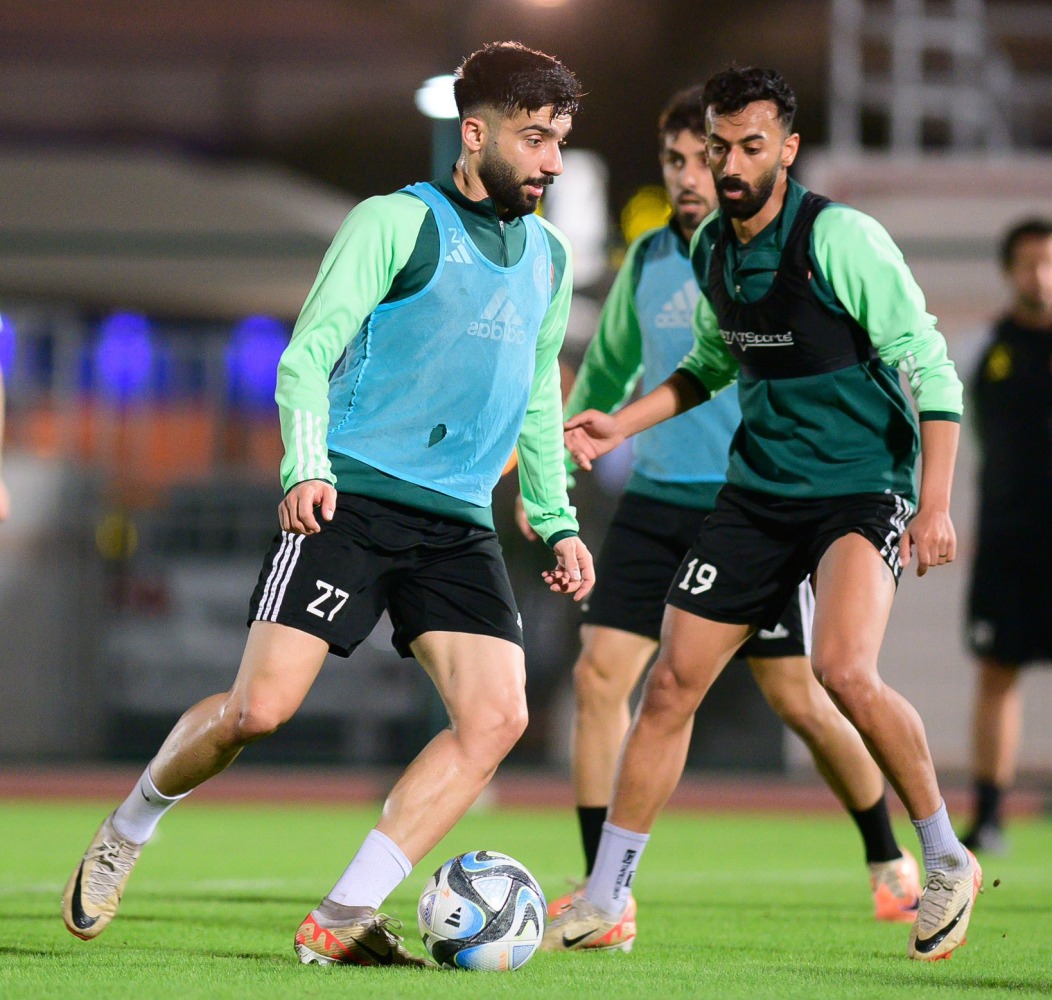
{"x":161,"y":232}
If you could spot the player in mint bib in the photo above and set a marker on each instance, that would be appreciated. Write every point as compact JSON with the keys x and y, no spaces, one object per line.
{"x":449,"y":433}
{"x":427,"y":348}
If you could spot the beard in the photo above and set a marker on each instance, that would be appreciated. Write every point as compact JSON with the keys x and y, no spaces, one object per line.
{"x":689,"y":215}
{"x":753,"y":198}
{"x":506,"y":188}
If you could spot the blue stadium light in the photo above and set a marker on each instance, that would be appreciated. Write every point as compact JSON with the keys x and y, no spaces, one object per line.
{"x":252,"y":358}
{"x":124,"y":356}
{"x":7,"y":344}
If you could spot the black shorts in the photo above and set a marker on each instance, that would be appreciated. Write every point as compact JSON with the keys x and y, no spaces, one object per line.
{"x":641,"y":552}
{"x":1010,"y":604}
{"x":754,"y":550}
{"x":431,"y":574}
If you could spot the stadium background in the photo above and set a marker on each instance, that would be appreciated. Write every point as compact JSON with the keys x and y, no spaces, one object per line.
{"x":171,"y":174}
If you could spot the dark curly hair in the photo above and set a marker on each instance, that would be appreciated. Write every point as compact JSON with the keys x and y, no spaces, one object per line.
{"x":512,"y":78}
{"x":685,"y":110}
{"x":732,"y":89}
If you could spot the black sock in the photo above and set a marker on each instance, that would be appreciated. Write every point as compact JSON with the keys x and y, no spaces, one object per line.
{"x":591,"y":820}
{"x":875,"y":826}
{"x":987,"y":804}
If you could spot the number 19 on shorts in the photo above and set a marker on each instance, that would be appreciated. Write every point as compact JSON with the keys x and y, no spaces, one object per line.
{"x":698,"y":579}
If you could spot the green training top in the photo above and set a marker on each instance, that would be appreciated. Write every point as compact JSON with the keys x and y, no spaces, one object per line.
{"x":632,"y":335}
{"x":385,"y":251}
{"x":809,"y":424}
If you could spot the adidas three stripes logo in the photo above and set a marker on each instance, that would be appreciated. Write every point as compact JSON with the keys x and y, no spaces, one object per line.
{"x":278,"y":578}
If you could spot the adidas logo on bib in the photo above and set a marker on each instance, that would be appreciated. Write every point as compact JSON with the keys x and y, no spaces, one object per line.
{"x":459,"y":255}
{"x":500,"y":320}
{"x":678,"y":312}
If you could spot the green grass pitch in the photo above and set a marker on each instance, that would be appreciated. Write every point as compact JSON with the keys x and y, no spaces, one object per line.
{"x":729,"y":906}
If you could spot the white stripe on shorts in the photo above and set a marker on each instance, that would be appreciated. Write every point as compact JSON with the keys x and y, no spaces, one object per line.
{"x":805,"y":597}
{"x":898,"y":520}
{"x":280,"y":572}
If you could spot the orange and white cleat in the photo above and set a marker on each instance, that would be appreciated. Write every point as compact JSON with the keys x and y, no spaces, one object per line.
{"x":584,"y":927}
{"x":896,"y":889}
{"x":562,"y":904}
{"x":367,"y":941}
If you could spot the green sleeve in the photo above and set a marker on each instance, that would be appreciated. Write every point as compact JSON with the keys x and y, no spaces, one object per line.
{"x":613,"y":362}
{"x":370,"y":248}
{"x":871,"y":279}
{"x":709,"y":361}
{"x":542,"y":475}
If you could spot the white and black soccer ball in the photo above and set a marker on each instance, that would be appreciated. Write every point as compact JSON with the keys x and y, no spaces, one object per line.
{"x":483,"y":911}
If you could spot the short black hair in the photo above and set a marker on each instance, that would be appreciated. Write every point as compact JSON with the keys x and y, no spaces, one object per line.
{"x":685,"y":110}
{"x":730,"y":90}
{"x":512,"y":78}
{"x":1027,"y":229}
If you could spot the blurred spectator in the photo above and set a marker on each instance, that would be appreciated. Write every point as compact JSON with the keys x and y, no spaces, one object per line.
{"x":1011,"y":591}
{"x":5,"y":499}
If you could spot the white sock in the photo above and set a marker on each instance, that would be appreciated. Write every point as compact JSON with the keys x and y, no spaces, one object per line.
{"x":138,"y":815}
{"x":374,"y":872}
{"x":942,"y":850}
{"x":616,"y":861}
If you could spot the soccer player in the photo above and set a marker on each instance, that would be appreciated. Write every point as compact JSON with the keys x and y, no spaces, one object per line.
{"x":428,"y":345}
{"x":644,"y":330}
{"x":811,"y":308}
{"x":1011,"y":591}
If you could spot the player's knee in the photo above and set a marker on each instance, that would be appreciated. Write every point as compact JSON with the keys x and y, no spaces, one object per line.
{"x":853,"y":684}
{"x":488,"y":735}
{"x":257,"y":719}
{"x":796,"y":709}
{"x":594,"y":683}
{"x":512,"y":719}
{"x":667,"y":693}
{"x":513,"y":726}
{"x":496,"y":740}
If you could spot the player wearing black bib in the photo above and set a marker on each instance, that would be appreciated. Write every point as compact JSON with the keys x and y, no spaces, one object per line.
{"x":810,"y":308}
{"x":1009,"y":624}
{"x":678,"y":469}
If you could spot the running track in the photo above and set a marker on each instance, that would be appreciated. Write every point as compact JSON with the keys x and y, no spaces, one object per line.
{"x":335,"y":786}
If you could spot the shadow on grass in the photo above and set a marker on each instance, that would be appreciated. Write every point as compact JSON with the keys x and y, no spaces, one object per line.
{"x":220,"y":899}
{"x":132,"y":953}
{"x":904,"y":974}
{"x":820,"y":909}
{"x":13,"y":949}
{"x":952,"y":982}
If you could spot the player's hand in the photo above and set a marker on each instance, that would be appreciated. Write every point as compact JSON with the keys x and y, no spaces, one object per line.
{"x":574,"y":572}
{"x":5,"y":501}
{"x":523,"y":521}
{"x":589,"y":435}
{"x":296,"y":511}
{"x":931,"y":535}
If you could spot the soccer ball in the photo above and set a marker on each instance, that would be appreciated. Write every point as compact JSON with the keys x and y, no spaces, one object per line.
{"x":483,"y":911}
